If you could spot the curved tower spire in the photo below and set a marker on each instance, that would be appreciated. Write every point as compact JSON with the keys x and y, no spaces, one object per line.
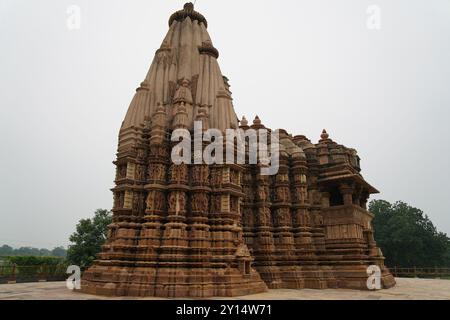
{"x":187,"y":58}
{"x":176,"y":229}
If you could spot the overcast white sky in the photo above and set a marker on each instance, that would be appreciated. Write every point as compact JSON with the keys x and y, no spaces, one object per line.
{"x":299,"y":65}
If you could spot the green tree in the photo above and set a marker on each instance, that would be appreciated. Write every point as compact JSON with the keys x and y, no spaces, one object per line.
{"x":407,"y":236}
{"x":45,"y":253}
{"x":27,"y":251}
{"x":90,"y":235}
{"x":59,"y":252}
{"x":6,"y":250}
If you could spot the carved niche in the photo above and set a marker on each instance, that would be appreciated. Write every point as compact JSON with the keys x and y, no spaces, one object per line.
{"x":200,"y":202}
{"x":264,"y":218}
{"x":179,"y":173}
{"x":283,"y":217}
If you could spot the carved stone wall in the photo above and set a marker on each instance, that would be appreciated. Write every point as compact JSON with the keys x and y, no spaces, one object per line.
{"x":197,"y":230}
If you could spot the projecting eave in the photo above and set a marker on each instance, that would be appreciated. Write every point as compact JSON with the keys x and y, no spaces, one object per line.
{"x":351,"y":177}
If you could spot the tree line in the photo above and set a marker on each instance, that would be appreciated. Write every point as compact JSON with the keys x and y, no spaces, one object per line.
{"x":8,"y":251}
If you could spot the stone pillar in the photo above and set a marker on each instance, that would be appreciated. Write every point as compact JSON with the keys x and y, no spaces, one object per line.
{"x":363,"y":199}
{"x":155,"y":202}
{"x":347,"y":194}
{"x":326,"y":199}
{"x":248,"y":218}
{"x":198,"y":220}
{"x":264,"y":247}
{"x":175,"y":234}
{"x":283,"y":232}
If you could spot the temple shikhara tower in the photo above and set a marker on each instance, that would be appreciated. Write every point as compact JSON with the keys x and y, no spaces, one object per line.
{"x":198,"y":230}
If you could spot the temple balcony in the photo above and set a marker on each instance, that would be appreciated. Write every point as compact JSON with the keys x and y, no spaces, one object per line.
{"x":346,"y":222}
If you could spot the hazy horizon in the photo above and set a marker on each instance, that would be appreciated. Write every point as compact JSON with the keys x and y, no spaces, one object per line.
{"x":302,"y":66}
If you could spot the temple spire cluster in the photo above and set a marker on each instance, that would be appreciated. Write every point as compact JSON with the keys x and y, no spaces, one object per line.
{"x":197,"y":230}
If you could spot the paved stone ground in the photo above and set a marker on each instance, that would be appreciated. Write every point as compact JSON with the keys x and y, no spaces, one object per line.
{"x":406,"y":289}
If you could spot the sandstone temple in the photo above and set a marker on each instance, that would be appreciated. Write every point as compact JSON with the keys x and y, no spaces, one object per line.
{"x":197,"y":230}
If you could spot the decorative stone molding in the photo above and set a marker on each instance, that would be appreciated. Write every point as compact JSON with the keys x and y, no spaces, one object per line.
{"x":208,"y":48}
{"x":188,"y":11}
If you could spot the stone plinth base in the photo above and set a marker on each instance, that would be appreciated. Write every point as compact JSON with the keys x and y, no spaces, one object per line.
{"x":170,"y":282}
{"x":321,"y":277}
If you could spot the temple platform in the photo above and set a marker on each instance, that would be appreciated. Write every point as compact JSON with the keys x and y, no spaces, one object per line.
{"x":406,"y":289}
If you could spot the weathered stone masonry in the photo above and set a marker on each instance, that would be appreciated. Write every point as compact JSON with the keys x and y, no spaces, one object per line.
{"x":225,"y":230}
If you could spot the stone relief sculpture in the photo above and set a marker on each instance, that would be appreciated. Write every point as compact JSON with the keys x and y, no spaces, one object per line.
{"x":226,"y":230}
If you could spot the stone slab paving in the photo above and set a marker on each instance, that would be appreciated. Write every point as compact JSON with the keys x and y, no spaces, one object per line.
{"x":406,"y":289}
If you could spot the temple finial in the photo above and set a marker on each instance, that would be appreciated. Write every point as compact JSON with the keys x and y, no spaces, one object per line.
{"x":188,"y":11}
{"x":324,"y":135}
{"x":188,"y":6}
